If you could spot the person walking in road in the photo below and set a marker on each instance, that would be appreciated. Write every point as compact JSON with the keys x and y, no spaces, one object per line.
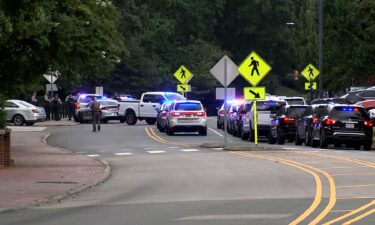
{"x":95,"y":114}
{"x":255,"y":65}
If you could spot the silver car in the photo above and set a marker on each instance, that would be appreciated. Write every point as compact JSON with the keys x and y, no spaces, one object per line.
{"x":20,"y":112}
{"x":186,"y":116}
{"x":161,"y":120}
{"x":108,"y":107}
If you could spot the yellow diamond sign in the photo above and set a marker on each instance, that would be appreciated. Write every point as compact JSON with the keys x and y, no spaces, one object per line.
{"x":310,"y":72}
{"x":313,"y":85}
{"x":254,"y":68}
{"x":254,"y":93}
{"x":183,"y":88}
{"x":183,"y":75}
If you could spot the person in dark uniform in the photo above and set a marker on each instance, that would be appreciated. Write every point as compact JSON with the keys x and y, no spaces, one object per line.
{"x":95,"y":114}
{"x":56,"y":103}
{"x":70,"y":105}
{"x":47,"y":105}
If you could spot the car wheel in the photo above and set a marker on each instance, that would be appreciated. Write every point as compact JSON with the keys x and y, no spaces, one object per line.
{"x":367,"y":145}
{"x":150,"y":121}
{"x":337,"y":145}
{"x":280,"y":137}
{"x":104,"y":121}
{"x":271,"y":139}
{"x":357,"y":146}
{"x":239,"y":130}
{"x":130,"y":118}
{"x":218,"y":126}
{"x":203,"y":131}
{"x":80,"y":118}
{"x":308,"y":138}
{"x":169,"y":131}
{"x":323,"y":140}
{"x":297,"y":140}
{"x":29,"y":123}
{"x":18,"y":120}
{"x":251,"y":135}
{"x":122,"y":120}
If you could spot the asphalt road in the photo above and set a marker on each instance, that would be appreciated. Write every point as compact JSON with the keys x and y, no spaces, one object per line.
{"x":162,"y":180}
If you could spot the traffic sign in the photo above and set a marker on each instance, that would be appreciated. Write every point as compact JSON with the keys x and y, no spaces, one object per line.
{"x":254,"y":93}
{"x":254,"y":68}
{"x":218,"y":71}
{"x":183,"y":88}
{"x":183,"y":75}
{"x":307,"y":85}
{"x":310,"y":72}
{"x":51,"y":78}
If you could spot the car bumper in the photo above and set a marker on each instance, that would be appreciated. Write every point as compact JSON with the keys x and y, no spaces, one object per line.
{"x":345,"y":136}
{"x":180,"y":123}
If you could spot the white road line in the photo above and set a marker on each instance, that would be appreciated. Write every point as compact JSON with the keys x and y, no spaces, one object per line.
{"x":92,"y":155}
{"x":189,"y":150}
{"x":290,"y":148}
{"x":156,"y":152}
{"x":148,"y":148}
{"x":215,"y":132}
{"x":123,"y":153}
{"x":219,"y":149}
{"x":172,"y":147}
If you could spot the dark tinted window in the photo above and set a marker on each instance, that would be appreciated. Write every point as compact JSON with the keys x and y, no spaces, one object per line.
{"x":295,"y":101}
{"x":153,"y":98}
{"x":11,"y":105}
{"x":367,"y":94}
{"x":347,"y":112}
{"x":272,"y":106}
{"x":174,"y":96}
{"x":320,"y":111}
{"x":295,"y":112}
{"x":188,"y":106}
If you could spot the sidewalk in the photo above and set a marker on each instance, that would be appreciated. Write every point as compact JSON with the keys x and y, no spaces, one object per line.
{"x":43,"y":173}
{"x":62,"y":122}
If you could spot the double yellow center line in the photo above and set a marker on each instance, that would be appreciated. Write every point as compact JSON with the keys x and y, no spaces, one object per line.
{"x":151,"y":133}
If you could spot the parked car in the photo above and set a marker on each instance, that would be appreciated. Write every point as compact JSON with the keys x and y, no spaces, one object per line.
{"x":306,"y":123}
{"x":144,"y":109}
{"x":283,"y":123}
{"x":339,"y":100}
{"x":367,"y":104}
{"x":264,"y":109}
{"x":161,"y":120}
{"x":20,"y":112}
{"x":221,"y":113}
{"x":109,"y":111}
{"x":82,"y":102}
{"x":361,"y":95}
{"x":343,"y":124}
{"x":186,"y":116}
{"x":294,"y":100}
{"x":234,"y":119}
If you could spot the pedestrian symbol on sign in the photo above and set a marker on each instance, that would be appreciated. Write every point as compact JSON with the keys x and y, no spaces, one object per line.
{"x":311,"y":72}
{"x":182,"y":72}
{"x":255,"y":65}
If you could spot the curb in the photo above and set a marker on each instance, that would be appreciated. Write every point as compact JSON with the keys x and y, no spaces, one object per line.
{"x":58,"y":198}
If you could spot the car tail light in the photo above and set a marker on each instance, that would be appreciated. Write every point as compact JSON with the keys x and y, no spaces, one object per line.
{"x":315,"y":119}
{"x":163,"y":114}
{"x":105,"y":108}
{"x":175,"y":114}
{"x":368,"y":123}
{"x":288,"y":120}
{"x":35,"y":111}
{"x":329,"y":121}
{"x":78,"y":106}
{"x":221,"y":112}
{"x":201,"y":114}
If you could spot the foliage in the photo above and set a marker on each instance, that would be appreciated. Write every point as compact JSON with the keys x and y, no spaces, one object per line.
{"x":80,"y":40}
{"x":2,"y":113}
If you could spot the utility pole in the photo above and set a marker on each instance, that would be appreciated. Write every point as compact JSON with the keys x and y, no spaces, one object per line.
{"x":320,"y":39}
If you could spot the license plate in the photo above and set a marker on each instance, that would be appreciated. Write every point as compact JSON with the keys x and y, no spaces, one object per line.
{"x":349,"y":125}
{"x":188,"y":115}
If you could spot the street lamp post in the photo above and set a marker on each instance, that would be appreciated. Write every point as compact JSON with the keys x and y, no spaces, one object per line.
{"x":320,"y":46}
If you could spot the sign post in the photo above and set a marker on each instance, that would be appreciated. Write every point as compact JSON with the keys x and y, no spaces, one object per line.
{"x":254,"y":69}
{"x":225,"y":77}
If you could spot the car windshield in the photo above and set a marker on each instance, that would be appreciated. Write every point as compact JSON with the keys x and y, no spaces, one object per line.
{"x":295,"y":112}
{"x":188,"y":106}
{"x":174,"y":96}
{"x":272,"y":106}
{"x":295,"y":101}
{"x":348,"y":113}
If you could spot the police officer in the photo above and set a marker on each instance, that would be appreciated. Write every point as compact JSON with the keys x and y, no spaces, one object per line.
{"x":95,"y":114}
{"x":70,"y":104}
{"x":56,"y":103}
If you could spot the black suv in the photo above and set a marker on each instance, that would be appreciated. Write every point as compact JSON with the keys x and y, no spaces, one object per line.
{"x":283,"y":124}
{"x":343,"y":124}
{"x":305,"y":123}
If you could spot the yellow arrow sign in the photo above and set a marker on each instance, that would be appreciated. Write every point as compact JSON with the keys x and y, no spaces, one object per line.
{"x":254,"y":68}
{"x":183,"y":75}
{"x":310,"y":72}
{"x":183,"y":88}
{"x":313,"y":85}
{"x":254,"y":93}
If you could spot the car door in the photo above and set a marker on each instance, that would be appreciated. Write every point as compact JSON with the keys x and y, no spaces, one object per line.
{"x":148,"y":105}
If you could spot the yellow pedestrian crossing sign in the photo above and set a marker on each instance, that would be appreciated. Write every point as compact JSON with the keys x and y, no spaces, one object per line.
{"x":254,"y":93}
{"x":313,"y":85}
{"x":183,"y":88}
{"x":310,"y":72}
{"x":254,"y":68}
{"x":183,"y":75}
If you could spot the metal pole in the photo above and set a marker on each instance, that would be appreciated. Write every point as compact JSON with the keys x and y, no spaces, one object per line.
{"x":225,"y":103}
{"x":51,"y":87}
{"x":320,"y":18}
